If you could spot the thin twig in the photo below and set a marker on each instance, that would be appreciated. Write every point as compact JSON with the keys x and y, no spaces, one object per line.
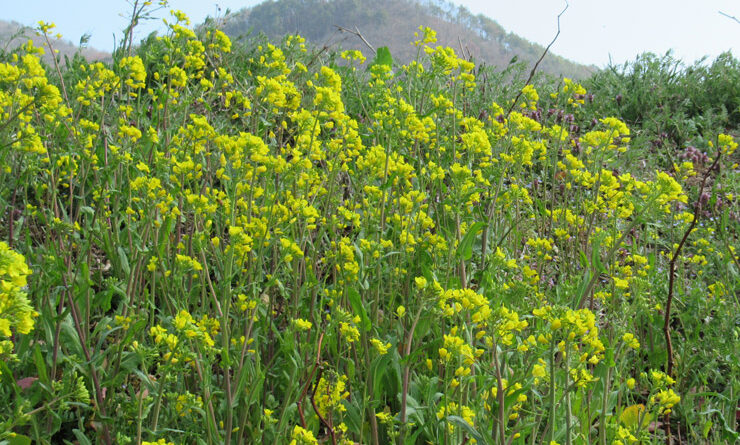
{"x":534,"y":68}
{"x":358,"y":34}
{"x":327,"y":44}
{"x":731,"y":17}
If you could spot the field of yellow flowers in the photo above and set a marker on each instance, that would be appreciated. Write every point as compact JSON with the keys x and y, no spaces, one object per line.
{"x":209,"y":243}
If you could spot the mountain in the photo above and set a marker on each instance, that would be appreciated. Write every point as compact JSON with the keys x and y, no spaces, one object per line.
{"x":392,"y":23}
{"x":13,"y":34}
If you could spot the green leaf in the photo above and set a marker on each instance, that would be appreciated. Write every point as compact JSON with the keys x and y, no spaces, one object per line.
{"x":727,"y":432}
{"x":81,"y":438}
{"x":38,"y":358}
{"x":596,"y":256}
{"x":19,"y":439}
{"x":378,"y":370}
{"x":83,"y":283}
{"x":383,"y":57}
{"x":7,"y":376}
{"x":465,"y":248}
{"x":351,"y":369}
{"x":102,"y":300}
{"x":87,"y":210}
{"x":356,"y":302}
{"x":584,"y":283}
{"x":134,"y":330}
{"x":124,"y":261}
{"x":459,"y":421}
{"x":241,"y":384}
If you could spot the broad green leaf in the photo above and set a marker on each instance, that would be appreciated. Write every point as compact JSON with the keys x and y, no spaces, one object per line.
{"x":357,"y":307}
{"x":459,"y":421}
{"x":81,"y":437}
{"x":378,"y":370}
{"x":383,"y":57}
{"x":727,"y":430}
{"x":7,"y":376}
{"x":19,"y":439}
{"x":124,"y":261}
{"x":596,"y":256}
{"x":465,"y":248}
{"x":38,"y":359}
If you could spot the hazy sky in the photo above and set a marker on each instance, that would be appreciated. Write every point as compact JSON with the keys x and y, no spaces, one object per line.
{"x":592,"y":31}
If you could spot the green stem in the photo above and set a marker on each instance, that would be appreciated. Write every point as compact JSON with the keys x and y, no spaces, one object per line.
{"x":551,"y":426}
{"x":568,"y":410}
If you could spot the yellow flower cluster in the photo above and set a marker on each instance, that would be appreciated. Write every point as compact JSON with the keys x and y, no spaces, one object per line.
{"x":135,"y":73}
{"x":25,"y":93}
{"x":330,"y":394}
{"x":16,"y":313}
{"x":301,"y":436}
{"x":574,"y":332}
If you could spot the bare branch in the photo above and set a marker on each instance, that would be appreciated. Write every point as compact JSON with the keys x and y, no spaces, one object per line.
{"x":731,"y":17}
{"x":534,"y":68}
{"x":358,"y":34}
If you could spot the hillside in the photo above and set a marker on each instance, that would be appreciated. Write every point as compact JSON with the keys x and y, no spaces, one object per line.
{"x":13,"y":34}
{"x":392,"y":23}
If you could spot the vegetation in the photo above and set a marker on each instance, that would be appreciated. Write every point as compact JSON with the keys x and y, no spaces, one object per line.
{"x":673,"y":104}
{"x":207,"y":242}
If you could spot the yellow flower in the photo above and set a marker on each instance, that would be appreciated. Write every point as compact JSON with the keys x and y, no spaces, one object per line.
{"x":380,"y":346}
{"x":384,"y":417}
{"x":5,"y":327}
{"x":631,"y":341}
{"x":400,"y":311}
{"x":301,"y":324}
{"x":15,"y":308}
{"x":421,"y":283}
{"x":136,"y":73}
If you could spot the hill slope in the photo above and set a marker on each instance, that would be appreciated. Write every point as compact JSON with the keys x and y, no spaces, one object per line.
{"x":13,"y":34}
{"x":392,"y":23}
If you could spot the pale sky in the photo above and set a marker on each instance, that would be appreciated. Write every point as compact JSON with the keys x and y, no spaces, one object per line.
{"x":592,"y":31}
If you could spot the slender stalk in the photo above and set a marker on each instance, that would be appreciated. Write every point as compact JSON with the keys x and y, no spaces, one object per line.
{"x":671,"y":285}
{"x":93,"y":373}
{"x":501,"y":421}
{"x":568,"y":409}
{"x":406,"y":372}
{"x":551,"y":421}
{"x":604,"y":406}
